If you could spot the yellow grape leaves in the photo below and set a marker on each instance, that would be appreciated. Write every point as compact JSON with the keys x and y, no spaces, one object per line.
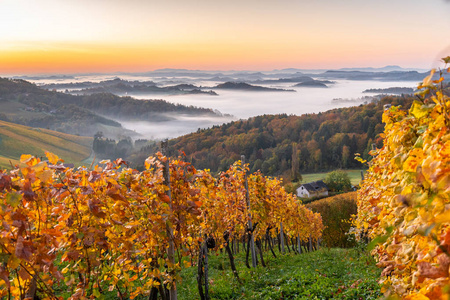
{"x":27,"y":159}
{"x":418,"y":110}
{"x":52,"y":158}
{"x":416,"y":297}
{"x":414,"y":159}
{"x":404,"y":202}
{"x":427,"y":81}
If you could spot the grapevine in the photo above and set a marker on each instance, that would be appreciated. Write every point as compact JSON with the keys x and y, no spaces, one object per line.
{"x":89,"y":231}
{"x":404,"y":202}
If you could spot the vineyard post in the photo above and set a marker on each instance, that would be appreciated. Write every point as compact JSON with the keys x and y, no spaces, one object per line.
{"x":200,"y":272}
{"x":281,"y":237}
{"x":205,"y":258}
{"x":171,"y":249}
{"x":299,"y":246}
{"x":310,"y":242}
{"x":250,"y":226}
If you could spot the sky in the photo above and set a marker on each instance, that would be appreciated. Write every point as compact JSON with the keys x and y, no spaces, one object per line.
{"x":83,"y":36}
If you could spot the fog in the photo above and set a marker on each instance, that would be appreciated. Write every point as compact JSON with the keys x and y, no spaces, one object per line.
{"x":242,"y":104}
{"x":178,"y":126}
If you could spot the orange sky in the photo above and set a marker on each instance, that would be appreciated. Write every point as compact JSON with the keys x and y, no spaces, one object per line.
{"x":73,"y":36}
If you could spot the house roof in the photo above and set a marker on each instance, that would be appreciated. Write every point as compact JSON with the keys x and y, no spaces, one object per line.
{"x":315,"y":186}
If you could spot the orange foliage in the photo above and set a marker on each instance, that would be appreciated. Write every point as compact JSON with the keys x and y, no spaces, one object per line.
{"x":106,"y":229}
{"x":404,"y":203}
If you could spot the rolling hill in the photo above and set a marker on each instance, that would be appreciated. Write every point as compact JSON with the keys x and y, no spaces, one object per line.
{"x":16,"y":140}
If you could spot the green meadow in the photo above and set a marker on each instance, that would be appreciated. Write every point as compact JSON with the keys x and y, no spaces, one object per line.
{"x":355,"y":176}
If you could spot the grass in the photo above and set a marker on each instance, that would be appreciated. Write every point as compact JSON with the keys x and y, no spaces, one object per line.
{"x":16,"y":140}
{"x":325,"y":274}
{"x":355,"y":176}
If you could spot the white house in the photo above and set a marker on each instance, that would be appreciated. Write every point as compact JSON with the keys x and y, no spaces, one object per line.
{"x":313,"y":189}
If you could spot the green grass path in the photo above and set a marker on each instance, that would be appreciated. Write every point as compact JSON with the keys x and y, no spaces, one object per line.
{"x":325,"y":274}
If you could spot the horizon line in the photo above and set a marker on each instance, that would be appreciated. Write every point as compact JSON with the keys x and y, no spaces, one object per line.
{"x":207,"y":70}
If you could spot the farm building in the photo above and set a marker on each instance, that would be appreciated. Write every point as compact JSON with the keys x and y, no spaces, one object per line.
{"x":313,"y":189}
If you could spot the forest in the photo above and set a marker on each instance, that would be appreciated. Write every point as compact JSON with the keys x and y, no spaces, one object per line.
{"x":288,"y":145}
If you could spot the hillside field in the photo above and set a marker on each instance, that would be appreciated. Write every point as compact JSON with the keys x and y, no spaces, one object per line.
{"x":16,"y":140}
{"x":355,"y":176}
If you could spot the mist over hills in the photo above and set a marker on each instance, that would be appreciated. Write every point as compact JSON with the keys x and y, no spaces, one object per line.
{"x":25,"y":103}
{"x":382,"y":69}
{"x":287,"y":145}
{"x":107,"y":112}
{"x":271,"y":142}
{"x":185,"y":92}
{"x":248,"y":87}
{"x":382,"y":76}
{"x":249,"y":75}
{"x":122,"y":87}
{"x":385,"y":73}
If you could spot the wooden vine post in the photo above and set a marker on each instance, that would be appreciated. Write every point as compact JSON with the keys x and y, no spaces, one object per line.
{"x":171,"y":249}
{"x":310,"y":243}
{"x":205,"y":258}
{"x":299,"y":245}
{"x":282,"y":237}
{"x":250,"y":226}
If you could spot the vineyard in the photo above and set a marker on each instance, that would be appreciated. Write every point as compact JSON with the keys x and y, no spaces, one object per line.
{"x":112,"y":229}
{"x":404,"y":202}
{"x":97,"y":231}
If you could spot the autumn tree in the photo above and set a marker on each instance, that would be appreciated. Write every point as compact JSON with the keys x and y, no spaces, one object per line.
{"x":338,"y":181}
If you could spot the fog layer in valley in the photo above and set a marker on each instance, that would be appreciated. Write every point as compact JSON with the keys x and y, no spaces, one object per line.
{"x":243,"y":104}
{"x":177,"y":126}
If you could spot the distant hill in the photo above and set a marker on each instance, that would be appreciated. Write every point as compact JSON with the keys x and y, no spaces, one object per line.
{"x":311,"y":83}
{"x":242,"y":86}
{"x":362,"y":69}
{"x":122,"y":87}
{"x":283,"y":80}
{"x":383,"y":69}
{"x":16,"y":140}
{"x":381,"y":76}
{"x":391,"y":90}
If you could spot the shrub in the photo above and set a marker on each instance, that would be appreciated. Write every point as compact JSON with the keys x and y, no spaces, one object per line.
{"x":338,"y":181}
{"x":336,"y":212}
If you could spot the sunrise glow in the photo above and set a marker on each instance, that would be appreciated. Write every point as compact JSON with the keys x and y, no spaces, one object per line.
{"x":137,"y":36}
